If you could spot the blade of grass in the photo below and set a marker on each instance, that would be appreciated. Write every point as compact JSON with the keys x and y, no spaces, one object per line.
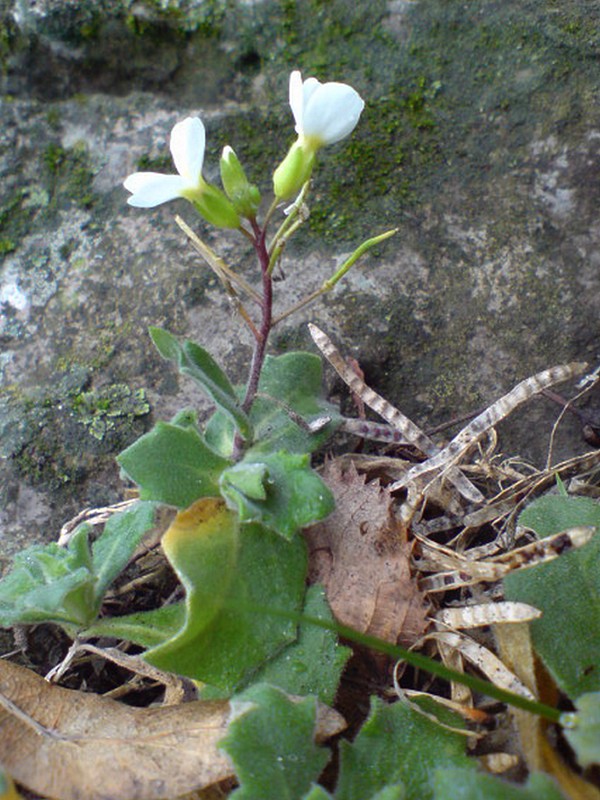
{"x":423,"y":663}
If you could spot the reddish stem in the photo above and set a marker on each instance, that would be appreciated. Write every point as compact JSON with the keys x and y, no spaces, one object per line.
{"x":260,"y":347}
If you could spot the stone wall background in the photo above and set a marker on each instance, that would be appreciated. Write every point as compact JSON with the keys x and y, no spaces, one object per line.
{"x":480,"y":141}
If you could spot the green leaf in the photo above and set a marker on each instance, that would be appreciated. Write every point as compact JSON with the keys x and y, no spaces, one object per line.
{"x":454,"y":783}
{"x":225,"y":637}
{"x":317,"y":793}
{"x":389,"y":793}
{"x":396,"y":792}
{"x":398,"y":747}
{"x":166,"y":344}
{"x":48,"y":583}
{"x":313,"y":664}
{"x":271,"y":744}
{"x":146,"y":628}
{"x":115,"y":546}
{"x":187,"y":418}
{"x":582,"y":729}
{"x":173,"y":465}
{"x":567,"y":591}
{"x":201,"y":545}
{"x":219,"y":433}
{"x":295,"y":495}
{"x":554,"y":513}
{"x":290,"y":398}
{"x":291,"y":382}
{"x":247,"y":479}
{"x":196,"y":362}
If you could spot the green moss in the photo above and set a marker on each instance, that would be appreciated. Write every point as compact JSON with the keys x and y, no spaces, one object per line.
{"x":68,"y":174}
{"x":160,"y":163}
{"x":152,"y":17}
{"x":53,"y":118}
{"x":104,"y":410}
{"x":15,"y":219}
{"x":56,"y":434}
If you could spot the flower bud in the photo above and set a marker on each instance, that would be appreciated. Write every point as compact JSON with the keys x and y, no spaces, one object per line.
{"x":244,"y":195}
{"x":212,"y":204}
{"x":295,"y":169}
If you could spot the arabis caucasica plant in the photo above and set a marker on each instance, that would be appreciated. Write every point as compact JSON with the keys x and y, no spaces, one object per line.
{"x":324,"y":114}
{"x":242,"y":481}
{"x":187,"y":144}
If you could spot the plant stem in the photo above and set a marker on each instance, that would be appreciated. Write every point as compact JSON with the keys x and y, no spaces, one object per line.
{"x":260,"y":346}
{"x":421,"y":662}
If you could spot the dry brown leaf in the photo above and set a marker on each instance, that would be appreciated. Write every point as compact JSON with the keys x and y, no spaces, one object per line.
{"x":69,"y":745}
{"x":361,"y":555}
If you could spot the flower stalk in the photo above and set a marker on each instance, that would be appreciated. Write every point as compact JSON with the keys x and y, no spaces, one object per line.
{"x":324,"y":113}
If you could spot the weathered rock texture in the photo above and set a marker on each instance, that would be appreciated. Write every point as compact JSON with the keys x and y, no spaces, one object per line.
{"x":480,"y":142}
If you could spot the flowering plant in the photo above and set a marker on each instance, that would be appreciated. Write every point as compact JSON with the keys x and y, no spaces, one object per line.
{"x":240,"y":487}
{"x":245,"y":481}
{"x":242,"y":483}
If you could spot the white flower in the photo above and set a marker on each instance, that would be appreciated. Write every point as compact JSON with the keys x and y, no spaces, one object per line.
{"x":149,"y":189}
{"x":187,"y":144}
{"x":324,"y":112}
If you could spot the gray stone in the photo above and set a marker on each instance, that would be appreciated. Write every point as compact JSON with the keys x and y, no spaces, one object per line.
{"x":479,"y":142}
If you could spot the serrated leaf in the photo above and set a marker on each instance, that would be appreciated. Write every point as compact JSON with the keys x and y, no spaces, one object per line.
{"x":567,"y":591}
{"x":582,"y":729}
{"x":313,"y":664}
{"x":454,"y":783}
{"x":48,"y":583}
{"x":247,"y":479}
{"x":222,"y":647}
{"x":197,"y":362}
{"x":290,"y":398}
{"x":291,"y":382}
{"x":186,"y":418}
{"x":146,"y":628}
{"x":115,"y":546}
{"x":173,"y":465}
{"x":295,"y":495}
{"x":271,"y":744}
{"x":397,"y":747}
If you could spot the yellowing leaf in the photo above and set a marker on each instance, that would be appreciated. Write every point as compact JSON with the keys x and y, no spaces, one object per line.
{"x":7,"y":788}
{"x":201,"y":544}
{"x":226,"y":636}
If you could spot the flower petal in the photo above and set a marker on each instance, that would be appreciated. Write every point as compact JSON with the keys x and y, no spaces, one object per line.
{"x":332,"y":112}
{"x":150,"y":189}
{"x":187,"y":148}
{"x":297,"y":98}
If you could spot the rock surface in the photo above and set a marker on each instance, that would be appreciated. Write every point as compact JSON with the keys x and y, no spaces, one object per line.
{"x":480,"y":141}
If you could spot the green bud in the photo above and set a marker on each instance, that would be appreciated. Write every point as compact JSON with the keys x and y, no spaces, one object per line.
{"x":212,"y":204}
{"x":295,"y":169}
{"x":244,"y":195}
